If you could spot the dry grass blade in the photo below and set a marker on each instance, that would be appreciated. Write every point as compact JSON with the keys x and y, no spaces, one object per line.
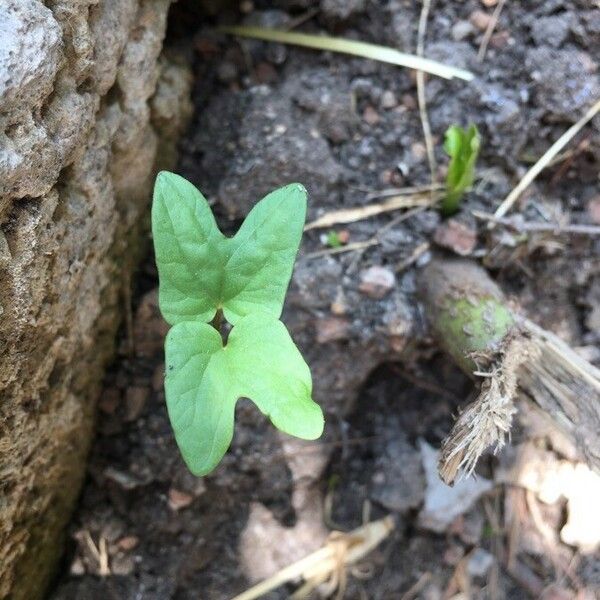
{"x":533,"y":227}
{"x":545,"y":160}
{"x":352,"y":47}
{"x":489,"y":30}
{"x":421,"y":93}
{"x":358,"y":213}
{"x":340,"y":551}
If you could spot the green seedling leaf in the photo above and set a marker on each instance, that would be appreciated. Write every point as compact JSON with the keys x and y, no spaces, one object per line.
{"x":462,"y":145}
{"x":201,"y":270}
{"x":204,"y":380}
{"x":333,"y":240}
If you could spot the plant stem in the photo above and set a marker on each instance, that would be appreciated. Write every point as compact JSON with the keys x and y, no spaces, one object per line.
{"x":512,"y":357}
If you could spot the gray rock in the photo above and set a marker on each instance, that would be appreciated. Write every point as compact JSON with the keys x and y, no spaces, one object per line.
{"x":442,"y":502}
{"x":79,"y":141}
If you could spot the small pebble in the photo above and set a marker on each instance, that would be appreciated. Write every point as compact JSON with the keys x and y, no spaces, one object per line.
{"x":480,"y":19}
{"x":371,"y":116}
{"x":480,"y":562}
{"x":179,"y":499}
{"x":409,"y":101}
{"x":456,"y":236}
{"x":135,"y":400}
{"x":332,"y":329}
{"x":376,"y":282}
{"x":127,"y":543}
{"x":388,"y":99}
{"x":593,"y":209}
{"x":77,"y":567}
{"x":462,"y":30}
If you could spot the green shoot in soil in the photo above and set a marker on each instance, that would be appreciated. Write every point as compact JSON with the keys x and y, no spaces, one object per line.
{"x":462,"y":145}
{"x":205,"y":276}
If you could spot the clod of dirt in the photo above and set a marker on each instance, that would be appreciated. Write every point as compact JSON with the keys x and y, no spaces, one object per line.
{"x":443,"y":503}
{"x":551,"y":31}
{"x":273,"y":146}
{"x":564,"y":81}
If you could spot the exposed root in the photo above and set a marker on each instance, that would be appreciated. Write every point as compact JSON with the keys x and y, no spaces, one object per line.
{"x":486,"y":422}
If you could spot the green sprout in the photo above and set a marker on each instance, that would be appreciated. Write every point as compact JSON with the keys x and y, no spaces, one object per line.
{"x":462,"y":146}
{"x":334,"y":239}
{"x":204,"y":277}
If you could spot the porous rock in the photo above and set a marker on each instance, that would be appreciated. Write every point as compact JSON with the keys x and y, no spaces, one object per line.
{"x":82,"y":118}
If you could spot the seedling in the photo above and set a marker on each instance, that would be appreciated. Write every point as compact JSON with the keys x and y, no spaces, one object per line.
{"x":205,"y":276}
{"x":462,"y":145}
{"x":334,"y":240}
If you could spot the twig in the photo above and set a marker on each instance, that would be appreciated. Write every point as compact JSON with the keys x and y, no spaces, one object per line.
{"x":534,"y":227}
{"x":414,"y":589}
{"x":348,"y":248}
{"x":303,"y":18}
{"x":545,"y":159}
{"x":405,"y":191}
{"x":414,"y":257}
{"x":352,"y":47}
{"x":358,"y":213}
{"x":421,"y":93}
{"x":490,"y":30}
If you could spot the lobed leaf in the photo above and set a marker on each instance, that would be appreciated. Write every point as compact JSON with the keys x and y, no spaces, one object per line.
{"x":201,"y":270}
{"x":204,"y":380}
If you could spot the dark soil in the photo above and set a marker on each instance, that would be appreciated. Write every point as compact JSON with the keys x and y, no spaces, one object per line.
{"x":266,"y":115}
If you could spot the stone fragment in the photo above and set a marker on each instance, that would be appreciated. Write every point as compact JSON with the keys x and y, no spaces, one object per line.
{"x":135,"y":400}
{"x":456,"y":236}
{"x":371,"y":116}
{"x":480,"y":19}
{"x":479,"y":563}
{"x":332,"y":329}
{"x":388,"y":100}
{"x":461,"y":30}
{"x":593,"y":209}
{"x":443,"y":503}
{"x":128,"y":543}
{"x":179,"y":499}
{"x":376,"y":282}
